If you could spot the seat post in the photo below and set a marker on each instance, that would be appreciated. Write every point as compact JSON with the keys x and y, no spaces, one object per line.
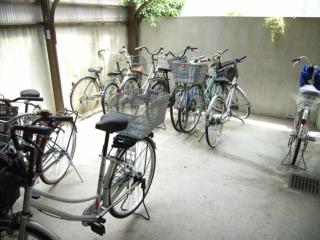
{"x":105,"y":145}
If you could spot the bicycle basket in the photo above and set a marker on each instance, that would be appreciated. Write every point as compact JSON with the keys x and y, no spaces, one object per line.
{"x":144,"y":109}
{"x":137,"y":64}
{"x":229,"y":72}
{"x":11,"y":179}
{"x":189,"y":73}
{"x":7,"y":112}
{"x":171,"y":61}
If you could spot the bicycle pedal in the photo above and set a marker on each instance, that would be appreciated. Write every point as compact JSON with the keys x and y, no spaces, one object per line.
{"x":312,"y":139}
{"x":98,"y":228}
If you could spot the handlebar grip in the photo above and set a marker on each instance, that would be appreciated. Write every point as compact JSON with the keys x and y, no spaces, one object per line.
{"x":100,"y":51}
{"x":45,"y":131}
{"x":61,"y":118}
{"x":35,"y":99}
{"x":193,"y":48}
{"x":139,"y":48}
{"x":296,"y":59}
{"x":224,"y":50}
{"x":239,"y":60}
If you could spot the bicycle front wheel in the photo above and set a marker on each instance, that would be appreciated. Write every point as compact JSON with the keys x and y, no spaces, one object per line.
{"x":240,"y":106}
{"x":85,"y":96}
{"x":190,"y":111}
{"x":58,"y":151}
{"x":214,"y":124}
{"x":160,"y":86}
{"x":109,"y":92}
{"x":175,"y":103}
{"x":128,"y":180}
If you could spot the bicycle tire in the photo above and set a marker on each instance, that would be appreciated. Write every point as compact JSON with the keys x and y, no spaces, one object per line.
{"x":58,"y":155}
{"x":296,"y":151}
{"x":176,"y":96}
{"x":130,"y":84}
{"x":79,"y":98}
{"x":160,"y":86}
{"x":109,"y":91}
{"x":191,"y":106}
{"x":6,"y":226}
{"x":117,"y":172}
{"x":240,"y":105}
{"x":214,"y":129}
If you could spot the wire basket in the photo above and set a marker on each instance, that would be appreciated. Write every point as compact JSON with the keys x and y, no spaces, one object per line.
{"x":137,"y":63}
{"x":144,"y":109}
{"x":171,"y":61}
{"x":188,"y":73}
{"x":7,"y":112}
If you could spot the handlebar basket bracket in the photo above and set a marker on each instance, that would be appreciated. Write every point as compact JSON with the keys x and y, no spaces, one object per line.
{"x":144,"y":109}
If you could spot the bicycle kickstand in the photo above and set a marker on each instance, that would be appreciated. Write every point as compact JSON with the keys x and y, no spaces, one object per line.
{"x":143,"y":186}
{"x":74,"y":167}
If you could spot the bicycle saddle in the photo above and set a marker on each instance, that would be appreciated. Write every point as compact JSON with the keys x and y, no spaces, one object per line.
{"x":30,"y":93}
{"x":112,"y":122}
{"x":222,"y":80}
{"x":164,"y":70}
{"x":115,"y":73}
{"x":309,"y":90}
{"x":95,"y":69}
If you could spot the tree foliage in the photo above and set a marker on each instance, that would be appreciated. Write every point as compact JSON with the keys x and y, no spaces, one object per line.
{"x":276,"y":25}
{"x":149,"y":10}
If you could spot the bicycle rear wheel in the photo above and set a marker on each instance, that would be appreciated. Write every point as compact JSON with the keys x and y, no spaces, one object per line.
{"x":175,"y":103}
{"x":10,"y":230}
{"x":59,"y":150}
{"x":190,"y":111}
{"x":159,"y":86}
{"x":214,"y":126}
{"x":130,"y":84}
{"x":125,"y":178}
{"x":109,"y":92}
{"x":240,"y":106}
{"x":85,"y":96}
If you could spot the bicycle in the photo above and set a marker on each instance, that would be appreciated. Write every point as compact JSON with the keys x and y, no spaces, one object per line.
{"x":194,"y":91}
{"x":120,"y":191}
{"x":124,"y":79}
{"x":87,"y":92}
{"x":307,"y":100}
{"x":176,"y":92}
{"x":231,"y":101}
{"x":61,"y":144}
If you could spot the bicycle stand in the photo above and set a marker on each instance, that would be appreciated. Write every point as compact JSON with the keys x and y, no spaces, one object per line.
{"x":288,"y":157}
{"x":143,"y":186}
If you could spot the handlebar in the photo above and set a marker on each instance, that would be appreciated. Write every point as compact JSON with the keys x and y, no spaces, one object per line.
{"x":153,"y":53}
{"x":8,"y":101}
{"x":28,"y":132}
{"x":184,"y":52}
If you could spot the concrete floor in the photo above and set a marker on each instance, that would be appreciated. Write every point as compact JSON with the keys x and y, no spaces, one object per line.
{"x":236,"y":191}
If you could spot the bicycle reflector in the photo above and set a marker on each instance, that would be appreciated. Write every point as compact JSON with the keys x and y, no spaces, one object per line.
{"x":73,"y":84}
{"x":303,"y":121}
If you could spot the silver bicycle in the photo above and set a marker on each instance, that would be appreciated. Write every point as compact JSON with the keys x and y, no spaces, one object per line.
{"x":120,"y":191}
{"x":307,"y":100}
{"x":231,"y":101}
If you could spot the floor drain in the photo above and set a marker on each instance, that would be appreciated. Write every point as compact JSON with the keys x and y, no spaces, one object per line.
{"x":305,"y":184}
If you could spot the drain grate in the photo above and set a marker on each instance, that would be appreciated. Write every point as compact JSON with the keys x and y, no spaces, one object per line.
{"x":305,"y":184}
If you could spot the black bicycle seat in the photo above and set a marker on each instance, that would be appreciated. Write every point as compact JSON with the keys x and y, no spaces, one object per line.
{"x":115,"y":73}
{"x":222,"y":80}
{"x":164,"y":70}
{"x":112,"y":122}
{"x":30,"y":93}
{"x":95,"y":69}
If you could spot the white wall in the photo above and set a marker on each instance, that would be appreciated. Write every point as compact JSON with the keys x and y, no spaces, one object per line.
{"x":267,"y":74}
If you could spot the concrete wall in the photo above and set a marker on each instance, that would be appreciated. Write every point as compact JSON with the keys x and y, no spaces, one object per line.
{"x":266,"y":75}
{"x":24,"y":62}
